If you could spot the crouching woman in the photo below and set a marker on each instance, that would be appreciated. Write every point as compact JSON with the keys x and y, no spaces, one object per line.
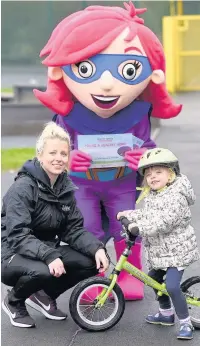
{"x":39,"y":212}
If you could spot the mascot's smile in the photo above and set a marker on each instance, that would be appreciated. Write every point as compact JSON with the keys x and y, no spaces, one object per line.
{"x":105,"y":102}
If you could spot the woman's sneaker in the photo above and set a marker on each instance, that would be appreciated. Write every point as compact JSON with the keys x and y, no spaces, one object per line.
{"x":185,"y":332}
{"x":40,"y":301}
{"x":19,"y":316}
{"x":161,"y":319}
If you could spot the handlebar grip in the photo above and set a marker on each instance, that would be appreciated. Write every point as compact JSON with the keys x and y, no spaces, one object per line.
{"x":124,"y":221}
{"x":134,"y":230}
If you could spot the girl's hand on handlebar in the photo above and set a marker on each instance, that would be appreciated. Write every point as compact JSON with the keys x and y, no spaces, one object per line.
{"x":124,"y":213}
{"x":120,"y":214}
{"x":129,"y":226}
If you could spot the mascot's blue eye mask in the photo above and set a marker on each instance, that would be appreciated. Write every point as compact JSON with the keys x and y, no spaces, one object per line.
{"x":129,"y":69}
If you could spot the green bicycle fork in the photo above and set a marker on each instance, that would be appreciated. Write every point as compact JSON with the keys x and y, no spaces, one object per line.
{"x":101,"y":298}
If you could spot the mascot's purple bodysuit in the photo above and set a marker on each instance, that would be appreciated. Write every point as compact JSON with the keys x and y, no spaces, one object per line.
{"x":115,"y":187}
{"x":106,"y":76}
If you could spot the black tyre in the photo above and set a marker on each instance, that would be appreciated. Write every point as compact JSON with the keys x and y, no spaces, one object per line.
{"x":86,"y":315}
{"x":191,"y":288}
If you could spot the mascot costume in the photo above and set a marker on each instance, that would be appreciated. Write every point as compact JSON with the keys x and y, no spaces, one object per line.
{"x":106,"y":76}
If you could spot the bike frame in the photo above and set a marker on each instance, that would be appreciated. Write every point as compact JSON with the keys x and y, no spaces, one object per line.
{"x":123,"y":264}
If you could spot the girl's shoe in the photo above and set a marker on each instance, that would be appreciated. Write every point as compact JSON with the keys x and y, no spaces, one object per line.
{"x":185,"y":332}
{"x":161,"y":319}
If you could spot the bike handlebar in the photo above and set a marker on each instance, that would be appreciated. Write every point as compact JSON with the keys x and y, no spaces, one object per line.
{"x":133,"y":231}
{"x":124,"y":221}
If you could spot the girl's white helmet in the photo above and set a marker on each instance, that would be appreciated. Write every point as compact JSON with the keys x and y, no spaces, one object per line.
{"x":158,"y":157}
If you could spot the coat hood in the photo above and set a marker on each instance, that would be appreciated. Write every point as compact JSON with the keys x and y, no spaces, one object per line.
{"x":183,"y":186}
{"x":33,"y":169}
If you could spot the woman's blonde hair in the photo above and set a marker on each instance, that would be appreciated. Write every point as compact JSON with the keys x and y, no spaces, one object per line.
{"x":51,"y":131}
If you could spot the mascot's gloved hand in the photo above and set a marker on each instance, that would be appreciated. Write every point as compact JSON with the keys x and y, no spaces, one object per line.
{"x":133,"y":157}
{"x":79,"y":161}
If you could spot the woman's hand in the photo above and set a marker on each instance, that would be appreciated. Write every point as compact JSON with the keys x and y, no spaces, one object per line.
{"x":56,"y":268}
{"x":101,"y":260}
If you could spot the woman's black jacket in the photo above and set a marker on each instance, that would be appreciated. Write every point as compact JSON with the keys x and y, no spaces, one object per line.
{"x":36,"y":217}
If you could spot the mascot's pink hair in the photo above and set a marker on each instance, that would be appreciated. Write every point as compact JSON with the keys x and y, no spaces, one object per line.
{"x":82,"y":35}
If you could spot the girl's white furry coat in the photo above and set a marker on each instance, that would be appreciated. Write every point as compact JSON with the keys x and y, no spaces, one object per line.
{"x":165,"y":224}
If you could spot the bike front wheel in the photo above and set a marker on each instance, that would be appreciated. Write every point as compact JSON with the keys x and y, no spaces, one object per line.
{"x":191,"y":289}
{"x":83,"y":300}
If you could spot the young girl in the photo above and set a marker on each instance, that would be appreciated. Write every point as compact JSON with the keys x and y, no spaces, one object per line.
{"x":170,"y":240}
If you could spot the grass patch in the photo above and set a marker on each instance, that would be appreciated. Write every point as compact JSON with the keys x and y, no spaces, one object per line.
{"x":12,"y":159}
{"x":7,"y":90}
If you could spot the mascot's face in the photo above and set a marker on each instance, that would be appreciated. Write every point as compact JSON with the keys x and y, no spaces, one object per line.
{"x":111,"y":80}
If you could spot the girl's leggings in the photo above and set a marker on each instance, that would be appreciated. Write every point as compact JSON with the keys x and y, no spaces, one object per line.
{"x":173,"y":280}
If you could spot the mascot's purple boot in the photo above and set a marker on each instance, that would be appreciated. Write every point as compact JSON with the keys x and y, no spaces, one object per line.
{"x":132,"y":288}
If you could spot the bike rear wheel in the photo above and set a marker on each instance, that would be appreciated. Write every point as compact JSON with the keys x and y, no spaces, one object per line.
{"x":191,"y":288}
{"x":82,"y":305}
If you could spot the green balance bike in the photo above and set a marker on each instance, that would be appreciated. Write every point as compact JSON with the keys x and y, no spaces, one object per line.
{"x":107,"y":308}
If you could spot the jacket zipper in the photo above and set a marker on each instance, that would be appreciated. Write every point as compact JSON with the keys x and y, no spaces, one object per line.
{"x":11,"y":258}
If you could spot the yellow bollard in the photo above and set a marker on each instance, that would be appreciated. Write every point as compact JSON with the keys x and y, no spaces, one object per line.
{"x":179,"y":6}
